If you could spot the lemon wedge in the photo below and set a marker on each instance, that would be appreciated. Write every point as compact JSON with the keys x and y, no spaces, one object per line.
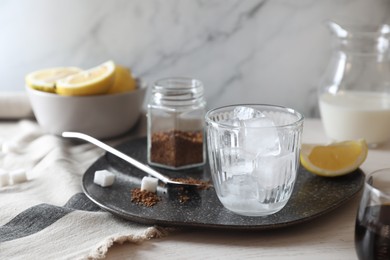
{"x":94,"y":81}
{"x":335,"y":159}
{"x":45,"y":80}
{"x":124,"y":81}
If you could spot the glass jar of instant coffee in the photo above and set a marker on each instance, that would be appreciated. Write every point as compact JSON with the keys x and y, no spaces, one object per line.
{"x":176,"y":124}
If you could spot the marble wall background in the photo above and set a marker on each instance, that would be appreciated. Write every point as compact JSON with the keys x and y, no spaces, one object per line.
{"x":261,"y":51}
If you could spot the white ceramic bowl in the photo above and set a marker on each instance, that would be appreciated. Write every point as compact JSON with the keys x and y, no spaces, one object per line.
{"x":101,"y":116}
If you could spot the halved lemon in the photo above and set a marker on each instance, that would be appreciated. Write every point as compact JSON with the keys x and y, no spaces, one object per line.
{"x":45,"y":79}
{"x":124,"y":80}
{"x":94,"y":81}
{"x":335,"y":159}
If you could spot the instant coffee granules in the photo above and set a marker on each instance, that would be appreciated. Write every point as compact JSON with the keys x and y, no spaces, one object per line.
{"x":149,"y":199}
{"x":143,"y":197}
{"x":175,"y":124}
{"x":203,"y":185}
{"x":177,"y":148}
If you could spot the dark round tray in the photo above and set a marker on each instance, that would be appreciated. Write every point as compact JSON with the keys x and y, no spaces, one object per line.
{"x":312,"y":197}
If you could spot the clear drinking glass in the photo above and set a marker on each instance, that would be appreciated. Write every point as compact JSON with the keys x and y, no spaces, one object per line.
{"x":372,"y":230}
{"x":254,"y":156}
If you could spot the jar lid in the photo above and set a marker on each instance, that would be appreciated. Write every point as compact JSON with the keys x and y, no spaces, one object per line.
{"x":178,"y":91}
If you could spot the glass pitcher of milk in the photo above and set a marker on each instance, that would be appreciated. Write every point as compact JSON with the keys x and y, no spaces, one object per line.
{"x":354,"y":94}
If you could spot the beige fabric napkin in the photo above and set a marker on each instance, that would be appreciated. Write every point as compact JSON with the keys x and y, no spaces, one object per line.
{"x":48,"y":216}
{"x":14,"y":104}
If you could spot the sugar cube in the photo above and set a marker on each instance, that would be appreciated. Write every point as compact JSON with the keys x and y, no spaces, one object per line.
{"x":149,"y":184}
{"x":18,"y":176}
{"x":104,"y":178}
{"x":10,"y":147}
{"x":4,"y":178}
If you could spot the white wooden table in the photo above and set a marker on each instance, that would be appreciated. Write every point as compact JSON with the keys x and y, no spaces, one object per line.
{"x":328,"y":237}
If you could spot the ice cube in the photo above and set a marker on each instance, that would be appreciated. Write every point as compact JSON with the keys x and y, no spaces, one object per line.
{"x":240,"y":186}
{"x":272,"y":172}
{"x":236,"y":161}
{"x":245,"y":113}
{"x":257,"y":134}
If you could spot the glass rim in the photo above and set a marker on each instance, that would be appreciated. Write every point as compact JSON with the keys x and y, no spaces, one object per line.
{"x":363,"y":30}
{"x":374,"y":189}
{"x":291,"y":111}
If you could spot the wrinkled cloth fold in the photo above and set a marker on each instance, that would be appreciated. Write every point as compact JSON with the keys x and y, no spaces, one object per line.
{"x":48,"y":216}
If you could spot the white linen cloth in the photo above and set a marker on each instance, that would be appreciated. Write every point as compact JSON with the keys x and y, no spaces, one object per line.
{"x":14,"y":104}
{"x":48,"y":217}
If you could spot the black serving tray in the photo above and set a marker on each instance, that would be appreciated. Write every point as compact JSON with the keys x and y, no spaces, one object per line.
{"x":312,"y":197}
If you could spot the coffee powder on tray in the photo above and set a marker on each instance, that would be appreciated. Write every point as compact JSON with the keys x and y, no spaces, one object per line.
{"x":177,"y":148}
{"x":202,"y":185}
{"x":143,"y":197}
{"x":149,"y":199}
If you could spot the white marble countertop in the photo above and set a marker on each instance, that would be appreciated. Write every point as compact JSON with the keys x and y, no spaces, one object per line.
{"x":243,"y":51}
{"x":328,"y":237}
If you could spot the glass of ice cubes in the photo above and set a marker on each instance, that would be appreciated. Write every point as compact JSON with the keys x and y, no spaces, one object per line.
{"x":254,"y":156}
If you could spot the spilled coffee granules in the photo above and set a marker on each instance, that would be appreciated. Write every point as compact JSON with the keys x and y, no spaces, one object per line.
{"x":149,"y":199}
{"x":184,"y":196}
{"x":143,"y":197}
{"x":202,"y":185}
{"x":177,"y":148}
{"x":188,"y":193}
